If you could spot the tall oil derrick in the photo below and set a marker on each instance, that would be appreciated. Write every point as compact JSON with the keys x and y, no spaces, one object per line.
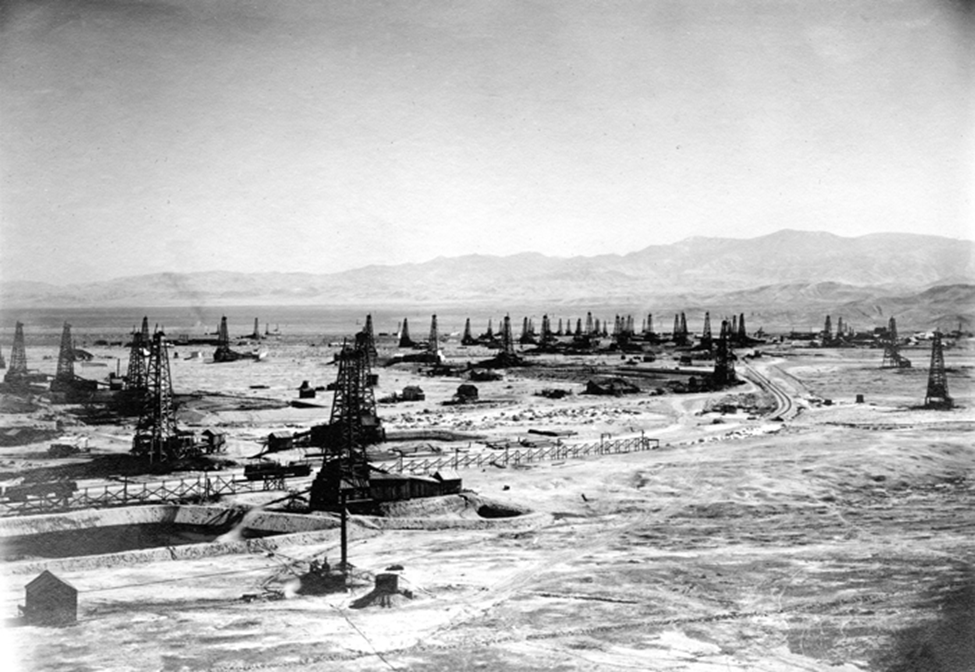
{"x":840,"y":328}
{"x":604,"y":332}
{"x":706,"y":337}
{"x":893,"y":359}
{"x":353,"y":426}
{"x":724,"y":364}
{"x":135,"y":377}
{"x":489,"y":334}
{"x":598,"y":327}
{"x":589,"y":325}
{"x":433,"y":342}
{"x":507,"y":339}
{"x":223,"y":353}
{"x":369,"y":340}
{"x":526,"y":332}
{"x":683,"y":327}
{"x":560,"y":332}
{"x":155,"y":433}
{"x":64,"y":378}
{"x":256,"y":334}
{"x":828,"y":329}
{"x":648,"y":331}
{"x":547,"y":335}
{"x":467,"y":338}
{"x":578,"y":333}
{"x":3,"y":362}
{"x":937,"y":395}
{"x":742,"y":335}
{"x":404,"y":335}
{"x":629,"y":325}
{"x":676,"y":331}
{"x":17,"y":371}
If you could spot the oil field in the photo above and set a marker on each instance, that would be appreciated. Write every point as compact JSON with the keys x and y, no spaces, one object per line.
{"x":591,"y":492}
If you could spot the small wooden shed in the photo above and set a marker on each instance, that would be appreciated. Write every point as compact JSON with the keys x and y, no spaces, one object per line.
{"x":50,"y":601}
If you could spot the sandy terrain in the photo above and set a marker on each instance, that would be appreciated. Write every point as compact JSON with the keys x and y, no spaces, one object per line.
{"x":840,"y":539}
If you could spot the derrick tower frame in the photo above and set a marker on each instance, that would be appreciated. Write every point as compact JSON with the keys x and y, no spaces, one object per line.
{"x":369,"y":343}
{"x":893,"y":359}
{"x":937,"y":395}
{"x":507,"y":341}
{"x":724,"y":364}
{"x":65,"y":371}
{"x":828,"y":329}
{"x":404,"y":335}
{"x":742,"y":335}
{"x":354,"y":404}
{"x":467,"y":338}
{"x":156,"y":433}
{"x":489,"y":335}
{"x":433,"y":343}
{"x":136,"y":377}
{"x":589,"y":324}
{"x":17,"y":370}
{"x":706,"y":337}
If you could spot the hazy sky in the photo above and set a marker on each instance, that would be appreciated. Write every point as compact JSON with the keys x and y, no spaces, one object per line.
{"x":313,"y":135}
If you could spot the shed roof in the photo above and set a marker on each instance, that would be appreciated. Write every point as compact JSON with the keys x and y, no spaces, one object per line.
{"x":46,"y":580}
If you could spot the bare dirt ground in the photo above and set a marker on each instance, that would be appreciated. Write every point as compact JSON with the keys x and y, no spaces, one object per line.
{"x":840,"y":539}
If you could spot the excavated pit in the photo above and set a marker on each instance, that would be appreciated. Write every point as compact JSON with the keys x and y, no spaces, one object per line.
{"x":135,"y":532}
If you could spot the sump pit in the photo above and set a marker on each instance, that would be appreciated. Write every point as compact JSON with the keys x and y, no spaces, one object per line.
{"x":132,"y":530}
{"x":115,"y":539}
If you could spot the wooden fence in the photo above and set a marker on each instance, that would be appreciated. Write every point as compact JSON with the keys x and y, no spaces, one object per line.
{"x":206,"y":487}
{"x":127,"y":493}
{"x":513,"y":454}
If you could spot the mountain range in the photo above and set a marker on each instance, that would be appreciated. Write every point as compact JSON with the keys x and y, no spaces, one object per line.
{"x":786,"y":278}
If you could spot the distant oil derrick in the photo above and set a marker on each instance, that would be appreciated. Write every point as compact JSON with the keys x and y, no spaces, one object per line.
{"x":223,"y":353}
{"x":827,"y":330}
{"x":560,"y":332}
{"x":135,"y":377}
{"x":724,"y":364}
{"x":64,"y":378}
{"x":3,"y":362}
{"x":256,"y":334}
{"x":706,"y":337}
{"x":527,"y":337}
{"x":578,"y":331}
{"x":741,"y":336}
{"x":893,"y":359}
{"x":17,"y":371}
{"x":937,"y":395}
{"x":354,"y":425}
{"x":547,"y":335}
{"x":590,"y":328}
{"x":467,"y":338}
{"x":840,"y":328}
{"x":680,"y":329}
{"x":369,"y":341}
{"x":489,"y":334}
{"x":404,"y":335}
{"x":507,"y":340}
{"x":156,"y":436}
{"x":648,"y":330}
{"x":433,"y":342}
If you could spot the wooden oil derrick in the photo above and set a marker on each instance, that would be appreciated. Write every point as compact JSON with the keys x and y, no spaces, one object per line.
{"x":353,"y":426}
{"x":507,"y":340}
{"x":64,"y":377}
{"x":17,"y":371}
{"x":547,"y":335}
{"x":706,"y":337}
{"x":741,"y":335}
{"x":827,"y":330}
{"x":590,"y":331}
{"x":256,"y":334}
{"x":489,"y":334}
{"x":629,"y":325}
{"x":223,"y":353}
{"x":893,"y":359}
{"x":937,"y":395}
{"x":724,"y":364}
{"x":598,"y":329}
{"x":467,"y":338}
{"x":156,"y":436}
{"x":404,"y":335}
{"x":648,"y":330}
{"x":135,"y":377}
{"x":560,"y":331}
{"x":369,"y":341}
{"x":578,"y":332}
{"x":604,"y":331}
{"x":433,"y":342}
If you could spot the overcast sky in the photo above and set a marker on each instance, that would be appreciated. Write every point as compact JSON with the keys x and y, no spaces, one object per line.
{"x":192,"y":135}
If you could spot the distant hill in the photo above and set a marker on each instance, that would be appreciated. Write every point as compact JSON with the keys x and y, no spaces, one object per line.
{"x":790,"y":275}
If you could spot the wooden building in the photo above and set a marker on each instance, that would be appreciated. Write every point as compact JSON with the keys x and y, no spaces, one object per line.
{"x":50,"y":601}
